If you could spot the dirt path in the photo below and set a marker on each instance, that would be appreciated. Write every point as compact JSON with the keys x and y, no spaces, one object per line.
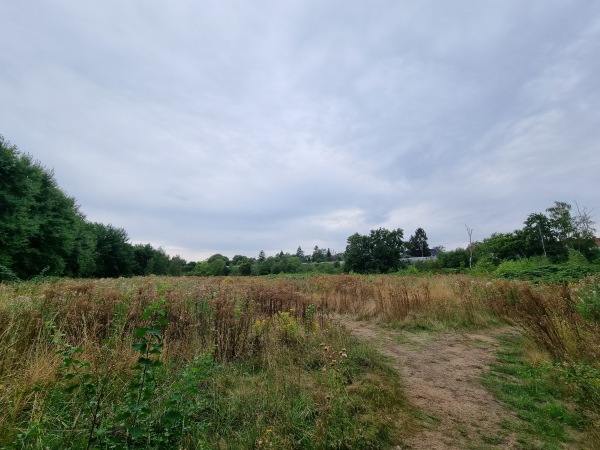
{"x":441,"y":377}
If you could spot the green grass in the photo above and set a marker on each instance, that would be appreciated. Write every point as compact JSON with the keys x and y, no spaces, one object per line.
{"x":548,"y":417}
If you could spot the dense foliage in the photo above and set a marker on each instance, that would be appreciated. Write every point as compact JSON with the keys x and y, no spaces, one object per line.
{"x":554,"y":247}
{"x":417,"y":244}
{"x":43,"y":232}
{"x":41,"y":228}
{"x":378,"y":252}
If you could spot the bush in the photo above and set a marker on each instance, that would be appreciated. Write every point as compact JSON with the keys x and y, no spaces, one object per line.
{"x":588,"y":299}
{"x":541,"y":270}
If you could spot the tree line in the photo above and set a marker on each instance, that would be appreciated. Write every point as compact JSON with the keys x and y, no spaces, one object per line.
{"x":553,"y":235}
{"x":319,"y":261}
{"x":43,"y":232}
{"x":556,"y":236}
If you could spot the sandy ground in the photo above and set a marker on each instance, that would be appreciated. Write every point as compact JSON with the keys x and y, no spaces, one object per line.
{"x":441,"y":374}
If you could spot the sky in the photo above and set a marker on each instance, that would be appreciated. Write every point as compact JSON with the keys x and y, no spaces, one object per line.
{"x":232,"y":127}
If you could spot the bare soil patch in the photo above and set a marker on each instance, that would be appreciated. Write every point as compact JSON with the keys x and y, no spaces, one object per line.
{"x":441,"y":374}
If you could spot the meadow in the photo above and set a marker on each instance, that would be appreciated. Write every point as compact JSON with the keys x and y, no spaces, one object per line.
{"x":228,"y":362}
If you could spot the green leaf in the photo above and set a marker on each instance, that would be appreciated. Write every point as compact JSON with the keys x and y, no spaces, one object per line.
{"x":139,"y":333}
{"x":174,"y":398}
{"x":123,"y":416}
{"x":172,"y":416}
{"x":70,"y":389}
{"x":139,"y":347}
{"x":135,"y":432}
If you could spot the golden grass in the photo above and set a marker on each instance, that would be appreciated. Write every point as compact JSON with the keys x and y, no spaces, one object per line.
{"x":549,"y":316}
{"x":220,"y":313}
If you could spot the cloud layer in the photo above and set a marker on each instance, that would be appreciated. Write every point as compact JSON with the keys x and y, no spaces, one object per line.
{"x":232,"y":127}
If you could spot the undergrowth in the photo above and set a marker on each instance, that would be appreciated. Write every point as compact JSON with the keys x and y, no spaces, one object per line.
{"x":550,"y":399}
{"x":551,"y":375}
{"x":141,"y":364}
{"x":258,"y":363}
{"x":541,"y":270}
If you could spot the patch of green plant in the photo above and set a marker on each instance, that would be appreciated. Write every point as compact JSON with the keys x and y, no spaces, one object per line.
{"x":417,"y":325}
{"x":331,"y":392}
{"x":546,"y":407}
{"x":588,"y":299}
{"x":151,"y":406}
{"x":7,"y":275}
{"x":542,"y":270}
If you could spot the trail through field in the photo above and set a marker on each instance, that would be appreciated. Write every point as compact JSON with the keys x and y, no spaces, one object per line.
{"x":441,"y":377}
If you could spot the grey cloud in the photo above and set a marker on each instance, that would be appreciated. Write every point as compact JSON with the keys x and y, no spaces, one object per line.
{"x":234,"y":127}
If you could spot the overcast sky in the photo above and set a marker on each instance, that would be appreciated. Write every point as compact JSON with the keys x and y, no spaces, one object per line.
{"x":240,"y":126}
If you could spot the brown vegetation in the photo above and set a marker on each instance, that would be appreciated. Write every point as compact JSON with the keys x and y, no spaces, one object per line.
{"x":235,"y":318}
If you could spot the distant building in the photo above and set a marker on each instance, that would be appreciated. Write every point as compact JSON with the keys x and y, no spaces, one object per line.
{"x":416,"y":259}
{"x":597,"y":241}
{"x":435,"y":252}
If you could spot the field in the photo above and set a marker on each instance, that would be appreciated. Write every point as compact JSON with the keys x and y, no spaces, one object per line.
{"x":264,"y":362}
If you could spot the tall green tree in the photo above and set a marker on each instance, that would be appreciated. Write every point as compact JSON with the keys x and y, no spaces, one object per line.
{"x":357,"y":257}
{"x":39,"y":223}
{"x":159,"y":263}
{"x":539,"y":238}
{"x":378,"y":252}
{"x":177,"y":266}
{"x":561,"y":222}
{"x":82,"y":261}
{"x":499,"y":247}
{"x":241,"y":265}
{"x":114,"y":254}
{"x":216,"y":265}
{"x":142,"y":254}
{"x":417,"y":244}
{"x":319,"y":255}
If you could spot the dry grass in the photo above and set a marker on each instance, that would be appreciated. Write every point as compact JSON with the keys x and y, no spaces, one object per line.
{"x":449,"y":300}
{"x":237,"y":318}
{"x":549,"y":316}
{"x":220,"y":313}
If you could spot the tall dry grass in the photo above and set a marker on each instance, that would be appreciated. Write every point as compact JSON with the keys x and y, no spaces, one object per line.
{"x":229,"y":318}
{"x":439,"y":300}
{"x":549,"y":315}
{"x":219,"y":313}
